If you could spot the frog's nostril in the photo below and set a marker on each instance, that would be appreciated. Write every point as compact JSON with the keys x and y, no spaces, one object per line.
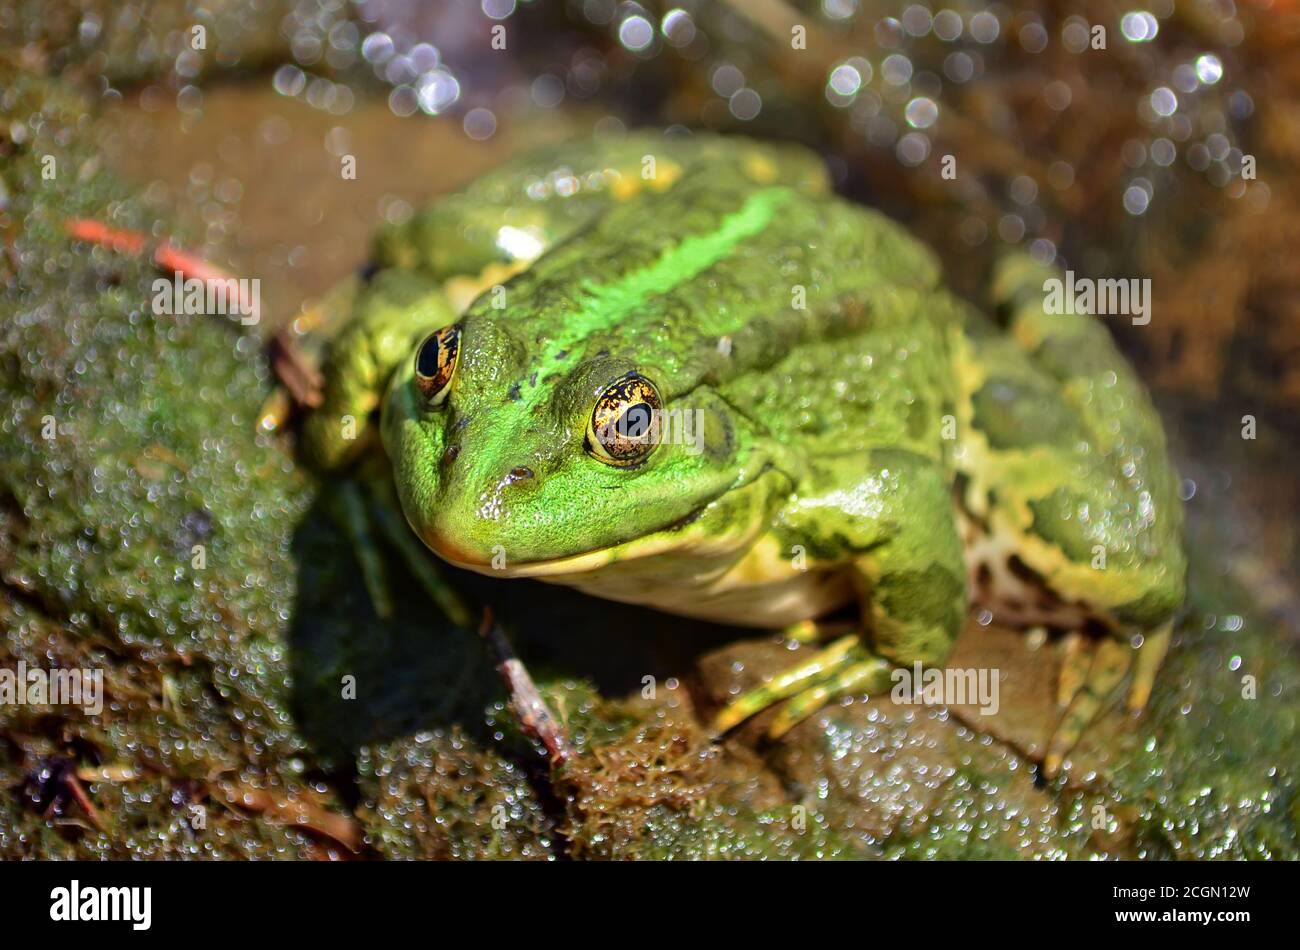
{"x":519,"y":474}
{"x":452,"y":453}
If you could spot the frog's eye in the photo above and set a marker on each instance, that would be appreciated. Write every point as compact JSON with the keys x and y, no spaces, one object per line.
{"x":435,"y":362}
{"x":624,"y":427}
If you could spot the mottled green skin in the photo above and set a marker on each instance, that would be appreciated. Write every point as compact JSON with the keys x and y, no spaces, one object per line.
{"x":846,"y":396}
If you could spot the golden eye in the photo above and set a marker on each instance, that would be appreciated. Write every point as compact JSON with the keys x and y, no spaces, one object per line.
{"x":624,"y":427}
{"x":435,"y":362}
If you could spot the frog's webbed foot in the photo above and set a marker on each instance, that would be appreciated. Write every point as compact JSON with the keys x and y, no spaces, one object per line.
{"x":843,"y":667}
{"x":864,"y":673}
{"x":1089,"y":675}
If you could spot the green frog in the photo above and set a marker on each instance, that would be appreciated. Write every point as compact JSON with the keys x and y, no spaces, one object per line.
{"x":679,"y":371}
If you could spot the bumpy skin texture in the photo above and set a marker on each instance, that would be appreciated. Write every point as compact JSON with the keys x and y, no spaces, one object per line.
{"x":865,"y":435}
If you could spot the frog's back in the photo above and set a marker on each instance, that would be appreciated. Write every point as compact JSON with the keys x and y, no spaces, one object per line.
{"x":765,"y":291}
{"x":527,"y":205}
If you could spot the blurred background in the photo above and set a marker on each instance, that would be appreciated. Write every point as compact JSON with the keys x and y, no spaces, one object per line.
{"x":1145,"y":139}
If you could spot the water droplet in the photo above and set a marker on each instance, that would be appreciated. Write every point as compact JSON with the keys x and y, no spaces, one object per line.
{"x":1058,"y":95}
{"x":498,"y":9}
{"x":678,"y":28}
{"x":845,"y":80}
{"x":896,"y":69}
{"x":1164,"y":102}
{"x":1024,"y":190}
{"x":1033,"y":37}
{"x":745,"y":104}
{"x":1185,"y":78}
{"x":1139,"y":26}
{"x":636,"y":33}
{"x":480,"y":124}
{"x":1209,"y":69}
{"x":1060,"y":174}
{"x":921,"y":113}
{"x":984,"y":27}
{"x":1136,"y":200}
{"x":947,"y":25}
{"x":916,"y":20}
{"x":727,"y":80}
{"x":289,"y":80}
{"x":547,"y":91}
{"x":1011,"y":228}
{"x":437,"y":91}
{"x":959,"y":67}
{"x":403,"y":101}
{"x":913,"y":148}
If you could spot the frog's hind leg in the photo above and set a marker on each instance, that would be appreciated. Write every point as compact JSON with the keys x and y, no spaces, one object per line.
{"x":1155,"y":644}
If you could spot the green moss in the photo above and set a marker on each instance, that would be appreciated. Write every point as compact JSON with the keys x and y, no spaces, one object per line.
{"x":128,"y":450}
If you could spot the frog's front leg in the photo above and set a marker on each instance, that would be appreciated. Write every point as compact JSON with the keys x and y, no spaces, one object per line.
{"x":392,"y":311}
{"x":893,"y":530}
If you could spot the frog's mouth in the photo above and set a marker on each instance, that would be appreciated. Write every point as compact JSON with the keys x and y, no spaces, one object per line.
{"x":696,"y":535}
{"x":664,"y":541}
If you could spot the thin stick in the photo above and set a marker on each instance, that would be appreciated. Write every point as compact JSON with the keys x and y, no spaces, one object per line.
{"x":166,"y":256}
{"x":535,"y":718}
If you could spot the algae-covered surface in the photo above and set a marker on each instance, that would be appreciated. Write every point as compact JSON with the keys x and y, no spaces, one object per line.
{"x":256,"y":706}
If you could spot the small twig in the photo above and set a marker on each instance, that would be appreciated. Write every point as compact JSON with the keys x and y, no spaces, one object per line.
{"x":535,"y":718}
{"x":166,"y":257}
{"x":82,"y":798}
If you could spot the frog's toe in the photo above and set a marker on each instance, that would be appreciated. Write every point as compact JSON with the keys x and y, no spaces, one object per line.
{"x":1155,"y":644}
{"x":1110,"y":662}
{"x":785,"y":684}
{"x":866,"y":675}
{"x":1076,"y":657}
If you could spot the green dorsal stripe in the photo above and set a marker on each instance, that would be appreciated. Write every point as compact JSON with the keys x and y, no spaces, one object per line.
{"x":606,"y":305}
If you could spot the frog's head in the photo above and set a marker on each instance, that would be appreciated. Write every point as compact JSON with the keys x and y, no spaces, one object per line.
{"x":523,"y":455}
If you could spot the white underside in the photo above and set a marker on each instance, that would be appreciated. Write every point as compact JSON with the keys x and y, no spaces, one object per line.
{"x":763,"y":588}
